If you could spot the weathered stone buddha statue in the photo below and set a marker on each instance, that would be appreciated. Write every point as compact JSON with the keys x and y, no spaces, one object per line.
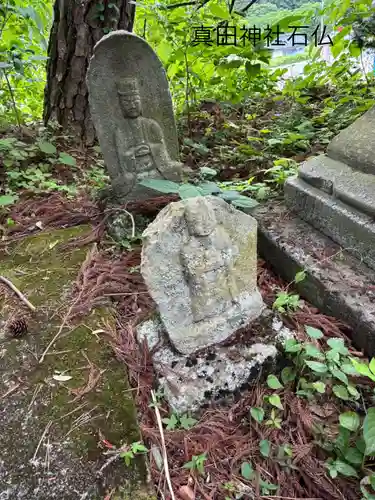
{"x":131,"y":108}
{"x":199,"y":263}
{"x":139,"y":141}
{"x":207,"y":260}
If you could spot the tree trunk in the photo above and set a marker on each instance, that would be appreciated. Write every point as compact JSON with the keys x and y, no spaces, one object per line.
{"x":78,"y":25}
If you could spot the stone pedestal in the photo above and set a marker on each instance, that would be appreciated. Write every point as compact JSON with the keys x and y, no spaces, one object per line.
{"x":335,"y":193}
{"x":212,"y":334}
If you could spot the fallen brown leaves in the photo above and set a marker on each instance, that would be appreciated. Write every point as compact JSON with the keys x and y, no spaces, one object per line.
{"x":225,"y":432}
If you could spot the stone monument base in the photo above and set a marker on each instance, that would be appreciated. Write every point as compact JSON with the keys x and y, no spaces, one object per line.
{"x":215,"y":373}
{"x":337,"y":200}
{"x":336,"y":282}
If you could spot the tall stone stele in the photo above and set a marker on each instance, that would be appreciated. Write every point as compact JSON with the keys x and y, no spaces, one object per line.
{"x":132,"y":111}
{"x":199,"y":261}
{"x":335,"y":192}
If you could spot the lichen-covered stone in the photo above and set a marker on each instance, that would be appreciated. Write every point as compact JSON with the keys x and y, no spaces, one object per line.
{"x":132,"y":110}
{"x":335,"y":193}
{"x":355,"y":144}
{"x":215,"y":374}
{"x":199,"y":260}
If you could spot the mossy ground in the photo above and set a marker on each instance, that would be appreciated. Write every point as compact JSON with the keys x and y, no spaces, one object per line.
{"x":49,"y":436}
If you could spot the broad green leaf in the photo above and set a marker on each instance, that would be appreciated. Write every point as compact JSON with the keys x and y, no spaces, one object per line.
{"x":265,"y":485}
{"x":313,"y":333}
{"x":350,"y":420}
{"x":342,"y":440}
{"x":257,"y":414}
{"x":345,"y":469}
{"x":208,"y":172}
{"x":67,"y":159}
{"x":265,"y":447}
{"x":47,"y":147}
{"x":291,"y":345}
{"x":275,"y":400}
{"x":348,"y":369}
{"x":372,"y":365}
{"x":354,"y":50}
{"x":353,"y":391}
{"x":354,"y":456}
{"x":187,"y":422}
{"x":189,"y":191}
{"x":247,"y":470}
{"x":338,"y":345}
{"x":229,"y":195}
{"x":333,"y":355}
{"x":7,"y":199}
{"x":208,"y":188}
{"x":339,"y":375}
{"x":361,"y":445}
{"x":288,"y":375}
{"x":320,"y":387}
{"x":244,"y":202}
{"x":341,"y":392}
{"x":273,"y":382}
{"x":170,"y":422}
{"x":138,"y":447}
{"x":252,"y":69}
{"x":164,"y":51}
{"x":362,"y":369}
{"x":369,"y":432}
{"x":218,"y":11}
{"x":300,"y":276}
{"x":316,"y":366}
{"x":313,"y":351}
{"x":161,"y":185}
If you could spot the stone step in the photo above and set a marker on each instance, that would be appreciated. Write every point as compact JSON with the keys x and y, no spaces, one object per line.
{"x":320,"y":203}
{"x":336,"y":283}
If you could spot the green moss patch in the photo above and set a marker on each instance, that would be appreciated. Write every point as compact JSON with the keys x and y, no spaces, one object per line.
{"x":57,"y":416}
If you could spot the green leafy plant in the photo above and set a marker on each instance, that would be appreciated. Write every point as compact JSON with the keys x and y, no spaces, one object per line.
{"x":324,"y":368}
{"x":203,"y":189}
{"x":179,"y":422}
{"x":197,"y":463}
{"x":134,"y":449}
{"x":29,"y":166}
{"x":286,"y":302}
{"x":248,"y":473}
{"x":24,"y":33}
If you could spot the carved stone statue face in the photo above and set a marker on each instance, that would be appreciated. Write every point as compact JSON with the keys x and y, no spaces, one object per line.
{"x":130,"y":105}
{"x":129,"y":97}
{"x":200,"y":218}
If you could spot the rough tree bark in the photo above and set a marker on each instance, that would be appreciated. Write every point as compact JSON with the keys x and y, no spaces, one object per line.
{"x":77,"y":26}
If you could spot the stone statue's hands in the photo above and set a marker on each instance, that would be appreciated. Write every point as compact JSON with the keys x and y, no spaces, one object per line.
{"x":130,"y":154}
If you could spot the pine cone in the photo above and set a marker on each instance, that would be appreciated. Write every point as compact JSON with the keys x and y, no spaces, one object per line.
{"x":17,"y":327}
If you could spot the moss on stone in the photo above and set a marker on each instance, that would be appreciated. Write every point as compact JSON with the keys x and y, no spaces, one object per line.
{"x":45,"y":274}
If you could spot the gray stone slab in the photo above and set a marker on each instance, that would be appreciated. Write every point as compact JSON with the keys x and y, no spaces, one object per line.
{"x":199,"y":262}
{"x":354,"y":188}
{"x":355,"y":144}
{"x":132,"y":111}
{"x":337,"y":283}
{"x":347,"y":226}
{"x":212,"y":375}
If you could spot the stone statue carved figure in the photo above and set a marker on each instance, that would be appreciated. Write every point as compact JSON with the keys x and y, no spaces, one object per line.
{"x":207,"y":261}
{"x":139,"y":140}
